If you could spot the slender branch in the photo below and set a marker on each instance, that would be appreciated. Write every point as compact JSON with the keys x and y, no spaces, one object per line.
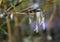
{"x":10,"y":8}
{"x":52,"y":18}
{"x":9,"y":29}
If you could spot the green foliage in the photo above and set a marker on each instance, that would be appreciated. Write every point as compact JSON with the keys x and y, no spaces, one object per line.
{"x":2,"y":31}
{"x":14,"y":2}
{"x":55,"y":1}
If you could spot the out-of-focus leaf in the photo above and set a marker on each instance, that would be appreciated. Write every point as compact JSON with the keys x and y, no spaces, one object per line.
{"x":3,"y":31}
{"x":14,"y":2}
{"x":55,"y":1}
{"x":47,"y":6}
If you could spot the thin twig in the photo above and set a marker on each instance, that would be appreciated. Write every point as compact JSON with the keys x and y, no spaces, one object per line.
{"x":52,"y":18}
